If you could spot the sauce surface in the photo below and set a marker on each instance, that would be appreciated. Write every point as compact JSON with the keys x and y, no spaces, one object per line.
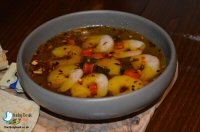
{"x":96,"y":62}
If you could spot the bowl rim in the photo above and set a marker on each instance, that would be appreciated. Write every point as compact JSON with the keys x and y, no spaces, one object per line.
{"x":172,"y":58}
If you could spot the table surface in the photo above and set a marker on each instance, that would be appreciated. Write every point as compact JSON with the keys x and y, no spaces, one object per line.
{"x":180,"y":111}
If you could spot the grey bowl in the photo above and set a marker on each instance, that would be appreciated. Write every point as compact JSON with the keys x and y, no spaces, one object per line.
{"x":101,"y":108}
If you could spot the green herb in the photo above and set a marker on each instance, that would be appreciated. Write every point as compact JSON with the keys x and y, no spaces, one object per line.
{"x":100,"y":69}
{"x":93,"y":60}
{"x":81,"y":64}
{"x":117,"y":38}
{"x":65,"y":33}
{"x":122,"y":70}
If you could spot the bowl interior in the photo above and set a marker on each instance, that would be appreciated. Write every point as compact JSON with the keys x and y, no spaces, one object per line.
{"x":95,"y":18}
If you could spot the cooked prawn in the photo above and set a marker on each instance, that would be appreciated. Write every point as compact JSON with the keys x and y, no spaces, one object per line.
{"x":112,"y":64}
{"x":130,"y":48}
{"x":81,"y":89}
{"x":149,"y":65}
{"x":66,"y":61}
{"x":66,"y":50}
{"x":64,"y":77}
{"x":127,"y":54}
{"x":123,"y":84}
{"x":133,"y":45}
{"x":101,"y":43}
{"x":70,"y":54}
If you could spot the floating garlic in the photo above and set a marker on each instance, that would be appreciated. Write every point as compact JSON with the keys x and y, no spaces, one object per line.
{"x":38,"y":71}
{"x":34,"y":62}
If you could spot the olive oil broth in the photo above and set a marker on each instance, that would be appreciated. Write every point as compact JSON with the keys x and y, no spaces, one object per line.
{"x":41,"y":66}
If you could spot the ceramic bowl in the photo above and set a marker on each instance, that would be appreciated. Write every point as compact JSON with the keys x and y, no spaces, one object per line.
{"x":96,"y":108}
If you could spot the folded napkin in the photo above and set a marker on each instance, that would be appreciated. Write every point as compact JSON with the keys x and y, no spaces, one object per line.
{"x":48,"y":122}
{"x":10,"y":80}
{"x":17,"y":114}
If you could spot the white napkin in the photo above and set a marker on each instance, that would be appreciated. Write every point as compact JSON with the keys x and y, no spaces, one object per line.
{"x":10,"y":80}
{"x":17,"y":114}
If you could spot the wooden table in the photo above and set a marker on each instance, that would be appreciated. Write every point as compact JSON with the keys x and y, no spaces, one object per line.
{"x":180,"y":111}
